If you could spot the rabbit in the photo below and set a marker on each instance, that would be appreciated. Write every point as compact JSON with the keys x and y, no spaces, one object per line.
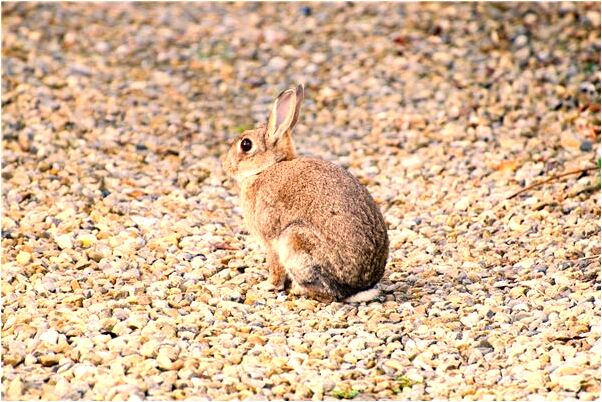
{"x":323,"y":233}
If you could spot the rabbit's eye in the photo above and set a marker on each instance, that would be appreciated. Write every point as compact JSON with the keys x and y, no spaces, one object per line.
{"x":246,"y":145}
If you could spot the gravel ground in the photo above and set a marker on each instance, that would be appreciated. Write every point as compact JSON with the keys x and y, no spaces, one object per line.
{"x":127,"y":271}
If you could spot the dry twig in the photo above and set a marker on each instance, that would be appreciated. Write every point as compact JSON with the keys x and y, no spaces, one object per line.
{"x":555,"y":177}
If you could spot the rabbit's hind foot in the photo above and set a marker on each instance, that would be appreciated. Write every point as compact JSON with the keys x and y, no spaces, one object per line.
{"x":295,"y":248}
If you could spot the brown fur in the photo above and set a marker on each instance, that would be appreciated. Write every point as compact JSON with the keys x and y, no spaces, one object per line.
{"x":321,"y":228}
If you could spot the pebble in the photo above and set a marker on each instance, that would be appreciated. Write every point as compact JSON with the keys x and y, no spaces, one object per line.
{"x":164,"y":361}
{"x":23,"y":257}
{"x":49,"y":360}
{"x":305,"y":10}
{"x":64,"y":242}
{"x":277,"y":63}
{"x":571,"y":383}
{"x":462,"y":204}
{"x":15,"y":389}
{"x":586,"y":146}
{"x":50,"y":336}
{"x":197,"y":262}
{"x":149,"y":349}
{"x":471,"y":319}
{"x":87,"y":240}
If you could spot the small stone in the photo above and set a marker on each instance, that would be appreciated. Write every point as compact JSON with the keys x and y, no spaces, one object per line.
{"x":593,"y":17}
{"x":521,"y":41}
{"x":62,"y":387}
{"x":277,"y":64}
{"x":29,"y":360}
{"x":12,"y":359}
{"x":274,"y":36}
{"x":87,"y":240}
{"x":149,"y":349}
{"x":357,"y":344}
{"x":535,"y":379}
{"x":234,"y":295}
{"x":15,"y":389}
{"x":414,"y":376}
{"x":305,"y":11}
{"x":462,"y":204}
{"x":527,"y":263}
{"x":516,"y":225}
{"x":412,"y":162}
{"x":51,"y":336}
{"x":64,"y":242}
{"x":407,"y":235}
{"x":102,"y":47}
{"x":484,"y":131}
{"x":49,"y":360}
{"x":395,"y":364}
{"x":530,"y":18}
{"x":571,"y":383}
{"x":164,"y":361}
{"x":471,"y":319}
{"x":350,"y":358}
{"x":569,"y":141}
{"x":256,"y":339}
{"x":83,"y":370}
{"x":197,"y":262}
{"x":23,"y":257}
{"x":586,"y":146}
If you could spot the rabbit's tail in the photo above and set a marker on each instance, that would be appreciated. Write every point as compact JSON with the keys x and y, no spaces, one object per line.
{"x":364,"y":296}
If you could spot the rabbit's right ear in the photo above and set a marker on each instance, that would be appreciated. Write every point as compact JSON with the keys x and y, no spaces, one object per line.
{"x":284,"y":114}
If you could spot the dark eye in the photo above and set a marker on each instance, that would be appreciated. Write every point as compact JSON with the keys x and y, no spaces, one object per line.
{"x":246,"y":145}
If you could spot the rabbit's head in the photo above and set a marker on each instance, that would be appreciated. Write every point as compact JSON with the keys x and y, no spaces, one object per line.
{"x":256,"y":150}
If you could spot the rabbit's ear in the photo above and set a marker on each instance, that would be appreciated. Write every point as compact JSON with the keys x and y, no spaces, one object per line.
{"x":285,"y":113}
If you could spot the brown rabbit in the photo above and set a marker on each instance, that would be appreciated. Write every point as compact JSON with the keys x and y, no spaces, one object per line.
{"x":320,"y":227}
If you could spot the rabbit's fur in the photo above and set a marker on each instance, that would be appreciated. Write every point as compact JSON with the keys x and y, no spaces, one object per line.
{"x":322,"y":230}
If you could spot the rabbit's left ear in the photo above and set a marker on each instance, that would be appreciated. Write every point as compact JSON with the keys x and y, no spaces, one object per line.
{"x":285,"y":113}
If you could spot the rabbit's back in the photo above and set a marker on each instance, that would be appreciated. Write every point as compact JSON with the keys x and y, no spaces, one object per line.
{"x":328,"y":200}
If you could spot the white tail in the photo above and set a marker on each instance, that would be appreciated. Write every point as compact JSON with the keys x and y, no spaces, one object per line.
{"x":365,"y":296}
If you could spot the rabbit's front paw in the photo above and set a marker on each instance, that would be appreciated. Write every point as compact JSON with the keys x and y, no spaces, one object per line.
{"x":278,"y":280}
